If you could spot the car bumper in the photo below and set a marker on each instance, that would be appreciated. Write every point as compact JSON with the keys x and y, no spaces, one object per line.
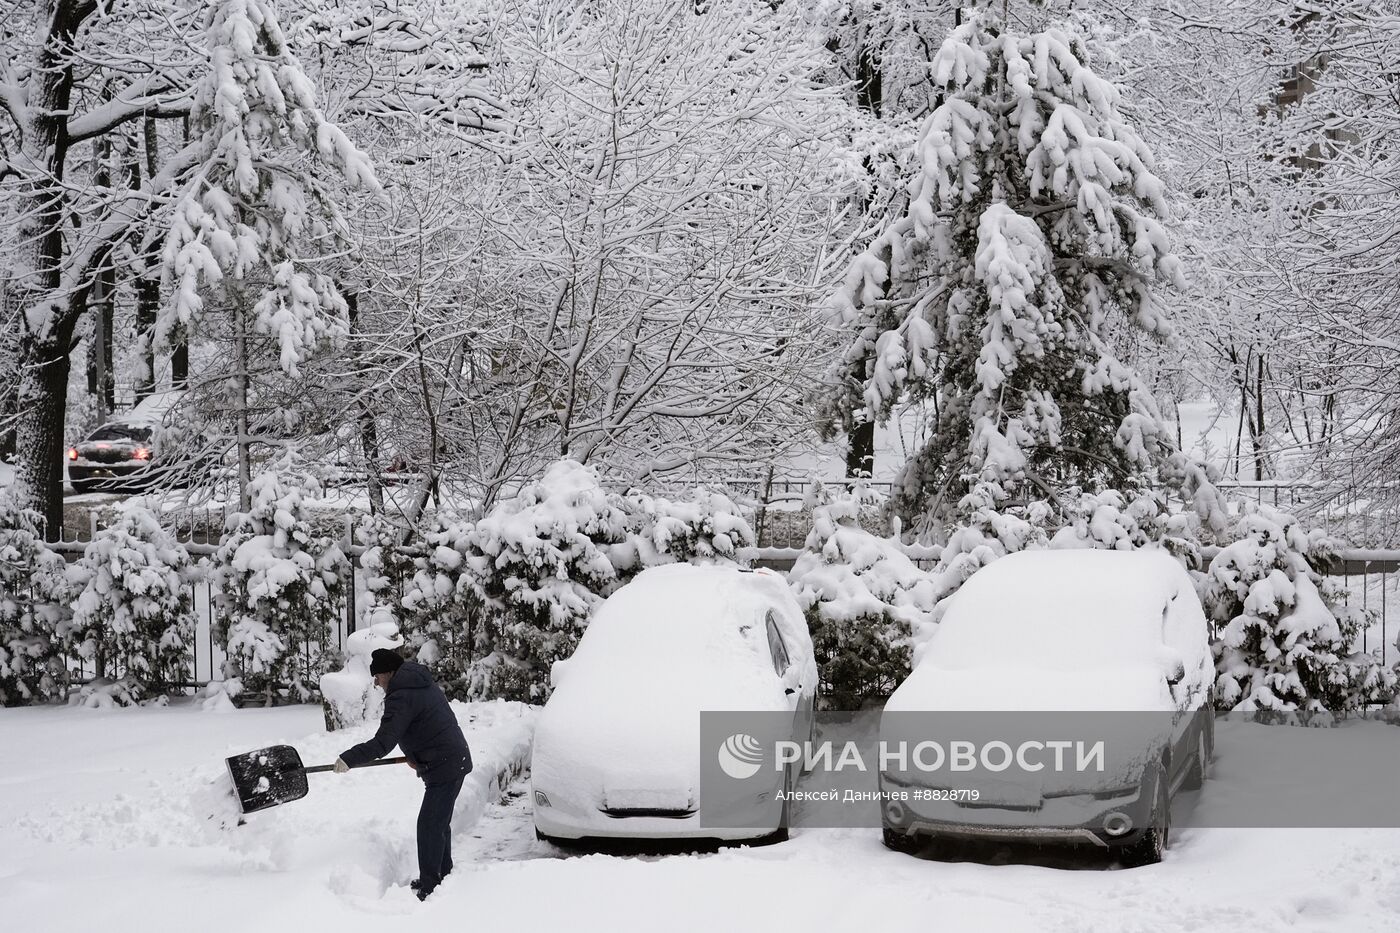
{"x":569,"y":819}
{"x":1074,"y":820}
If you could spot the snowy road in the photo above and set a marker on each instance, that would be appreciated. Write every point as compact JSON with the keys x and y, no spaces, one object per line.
{"x":104,"y":824}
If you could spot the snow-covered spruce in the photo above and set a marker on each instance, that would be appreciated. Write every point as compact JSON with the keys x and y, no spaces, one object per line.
{"x":864,"y":600}
{"x":133,"y":614}
{"x":1032,"y":238}
{"x":705,"y":528}
{"x":1285,"y":640}
{"x":278,"y":586}
{"x":442,"y":615}
{"x":33,"y":613}
{"x":541,"y":561}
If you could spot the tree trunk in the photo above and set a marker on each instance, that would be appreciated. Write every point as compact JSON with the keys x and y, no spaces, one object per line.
{"x":47,"y":315}
{"x":43,"y":398}
{"x":147,"y":285}
{"x":860,"y":450}
{"x":240,"y":403}
{"x":369,"y":431}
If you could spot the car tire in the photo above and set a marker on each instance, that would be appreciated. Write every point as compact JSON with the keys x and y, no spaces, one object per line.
{"x":1152,"y":844}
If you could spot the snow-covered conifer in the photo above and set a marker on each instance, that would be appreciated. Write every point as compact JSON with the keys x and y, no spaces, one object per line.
{"x":706,"y":527}
{"x":279,"y":585}
{"x":864,"y":600}
{"x":134,"y":611}
{"x":445,"y":621}
{"x":1285,"y":640}
{"x":1032,"y":244}
{"x":543,"y":560}
{"x":33,"y":622}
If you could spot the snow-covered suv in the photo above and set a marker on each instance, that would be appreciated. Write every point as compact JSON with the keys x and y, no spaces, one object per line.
{"x":617,"y":746}
{"x":1113,"y":643}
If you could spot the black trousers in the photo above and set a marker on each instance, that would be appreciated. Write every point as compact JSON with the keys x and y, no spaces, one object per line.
{"x":435,"y":832}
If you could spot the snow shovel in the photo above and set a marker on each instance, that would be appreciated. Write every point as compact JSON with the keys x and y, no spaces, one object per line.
{"x":268,"y":777}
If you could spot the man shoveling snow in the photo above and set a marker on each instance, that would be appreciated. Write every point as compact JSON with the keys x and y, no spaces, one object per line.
{"x":418,"y":720}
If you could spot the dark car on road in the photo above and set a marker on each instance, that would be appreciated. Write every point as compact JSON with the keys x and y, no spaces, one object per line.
{"x":122,"y":456}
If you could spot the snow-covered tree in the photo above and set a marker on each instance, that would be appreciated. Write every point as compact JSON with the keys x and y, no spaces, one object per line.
{"x":1285,"y":639}
{"x":279,"y":586}
{"x":256,"y":222}
{"x":542,"y":561}
{"x":445,"y":620}
{"x":866,"y":603}
{"x":1006,"y":298}
{"x":134,"y":612}
{"x":705,"y":527}
{"x":33,"y":594}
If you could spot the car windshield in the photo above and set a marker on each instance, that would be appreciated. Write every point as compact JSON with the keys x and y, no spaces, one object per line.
{"x":120,"y":432}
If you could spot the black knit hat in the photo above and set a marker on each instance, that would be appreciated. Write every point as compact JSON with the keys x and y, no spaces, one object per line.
{"x":384,"y":661}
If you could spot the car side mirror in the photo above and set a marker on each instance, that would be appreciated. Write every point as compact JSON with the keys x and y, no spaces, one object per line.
{"x":1177,"y":674}
{"x":790,"y":691}
{"x":557,"y":670}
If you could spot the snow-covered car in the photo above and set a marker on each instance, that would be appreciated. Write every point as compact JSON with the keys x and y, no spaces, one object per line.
{"x":1114,"y":639}
{"x":617,"y":746}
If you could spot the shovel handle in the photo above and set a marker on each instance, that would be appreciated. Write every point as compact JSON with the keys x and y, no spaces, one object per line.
{"x":368,"y":764}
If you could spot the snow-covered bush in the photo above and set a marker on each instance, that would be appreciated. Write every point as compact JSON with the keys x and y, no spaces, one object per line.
{"x":387,"y":569}
{"x":1285,"y":641}
{"x":278,"y":585}
{"x":349,"y":694}
{"x":134,"y":613}
{"x":541,"y":561}
{"x":863,"y":598}
{"x":33,"y":614}
{"x":444,"y":619}
{"x":992,"y":530}
{"x":707,"y":527}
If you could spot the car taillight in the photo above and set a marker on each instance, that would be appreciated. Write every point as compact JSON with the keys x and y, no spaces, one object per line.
{"x":142,"y":454}
{"x":72,"y":453}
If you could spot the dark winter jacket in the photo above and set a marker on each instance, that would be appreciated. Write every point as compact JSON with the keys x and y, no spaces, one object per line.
{"x":418,"y":720}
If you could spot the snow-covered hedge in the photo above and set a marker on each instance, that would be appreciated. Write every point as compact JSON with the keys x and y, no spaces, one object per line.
{"x":33,"y":613}
{"x":863,"y":598}
{"x":133,"y":615}
{"x":492,"y":604}
{"x":278,"y":586}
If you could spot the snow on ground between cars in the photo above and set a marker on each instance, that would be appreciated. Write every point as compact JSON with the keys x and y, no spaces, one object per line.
{"x":98,"y":831}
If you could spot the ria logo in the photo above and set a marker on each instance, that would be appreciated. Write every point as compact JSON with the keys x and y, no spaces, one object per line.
{"x":740,"y":756}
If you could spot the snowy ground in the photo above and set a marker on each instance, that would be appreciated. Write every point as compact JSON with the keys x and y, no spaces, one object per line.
{"x":104,"y":824}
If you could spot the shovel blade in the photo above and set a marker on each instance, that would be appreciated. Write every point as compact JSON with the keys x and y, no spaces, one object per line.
{"x":267,"y":777}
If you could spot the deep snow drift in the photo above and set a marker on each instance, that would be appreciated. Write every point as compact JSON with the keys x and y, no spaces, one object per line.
{"x":103,"y":825}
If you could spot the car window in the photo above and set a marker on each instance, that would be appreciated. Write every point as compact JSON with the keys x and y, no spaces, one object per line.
{"x":776,"y":647}
{"x":120,"y":432}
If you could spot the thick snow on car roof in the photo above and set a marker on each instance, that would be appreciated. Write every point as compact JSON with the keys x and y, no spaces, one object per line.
{"x":1056,"y":629}
{"x":152,"y":409}
{"x":691,"y":614}
{"x":1061,"y":610}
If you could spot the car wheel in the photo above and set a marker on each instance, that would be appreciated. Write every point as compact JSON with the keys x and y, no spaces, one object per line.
{"x":1150,"y":847}
{"x":1200,"y":765}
